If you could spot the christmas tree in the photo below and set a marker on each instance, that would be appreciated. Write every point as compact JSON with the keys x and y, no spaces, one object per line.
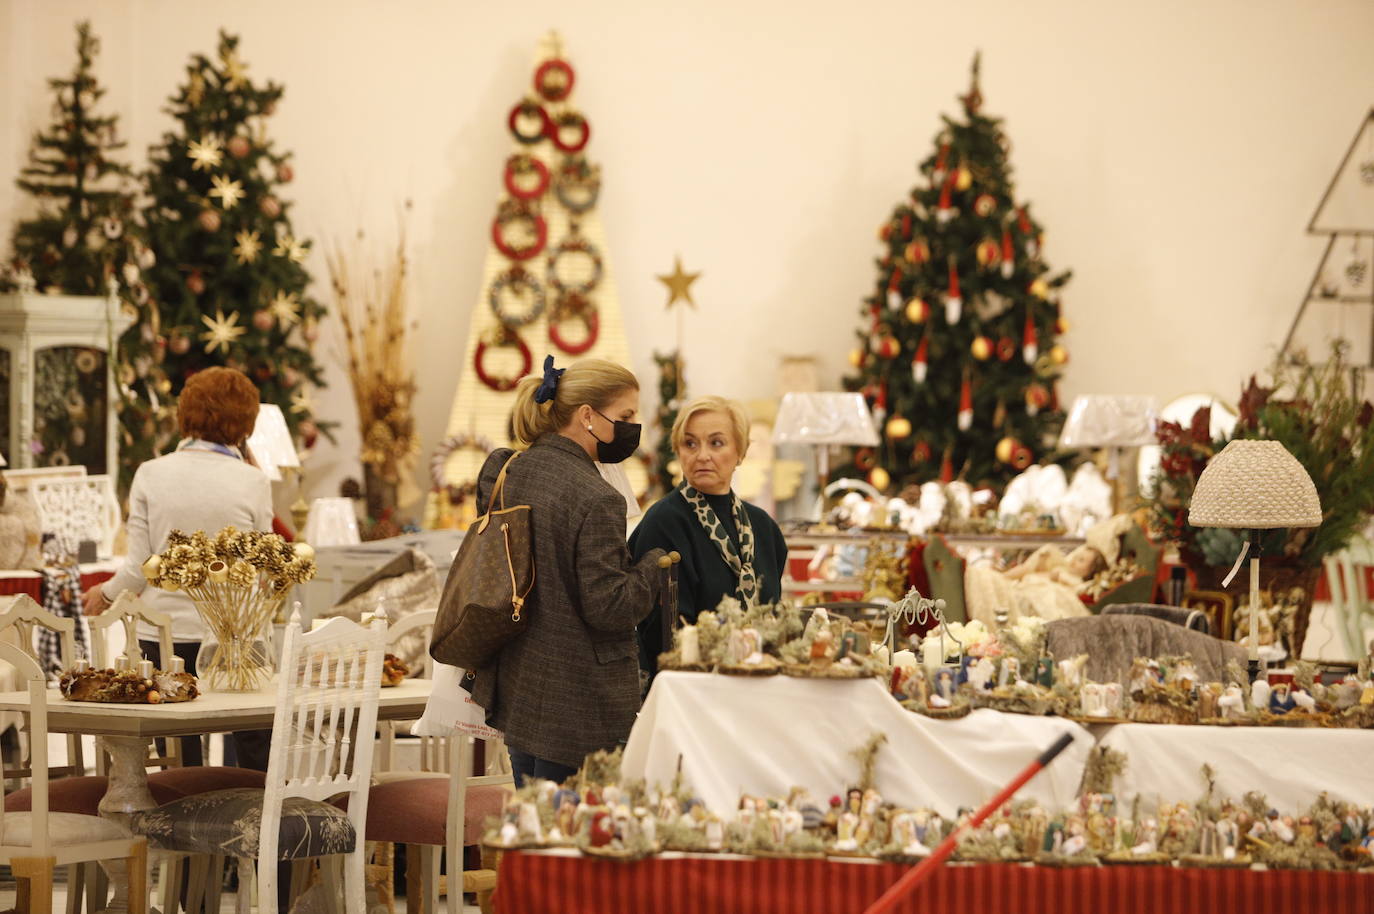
{"x":87,"y":240}
{"x":958,"y":358}
{"x":229,"y":282}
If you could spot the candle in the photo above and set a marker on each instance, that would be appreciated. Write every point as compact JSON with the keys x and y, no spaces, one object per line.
{"x":881,"y":653}
{"x":933,"y":653}
{"x":145,"y":669}
{"x":689,"y":644}
{"x":178,"y":665}
{"x":904,"y":660}
{"x":82,"y":664}
{"x":122,"y":662}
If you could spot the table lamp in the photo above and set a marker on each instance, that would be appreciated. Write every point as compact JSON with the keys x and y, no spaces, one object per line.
{"x":275,"y":451}
{"x":1114,"y":422}
{"x":824,"y":419}
{"x":1254,"y":485}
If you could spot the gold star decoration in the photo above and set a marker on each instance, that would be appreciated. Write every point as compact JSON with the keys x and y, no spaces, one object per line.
{"x":233,"y":70}
{"x":229,"y":192}
{"x":301,"y":402}
{"x":204,"y":154}
{"x":221,"y":331}
{"x":249,"y":244}
{"x":679,"y":284}
{"x":290,"y":248}
{"x":285,"y":307}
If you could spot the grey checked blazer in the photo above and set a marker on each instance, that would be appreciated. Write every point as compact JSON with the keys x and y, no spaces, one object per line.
{"x":569,"y":685}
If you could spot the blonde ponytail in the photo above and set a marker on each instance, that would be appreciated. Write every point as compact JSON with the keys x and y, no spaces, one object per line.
{"x":595,"y":382}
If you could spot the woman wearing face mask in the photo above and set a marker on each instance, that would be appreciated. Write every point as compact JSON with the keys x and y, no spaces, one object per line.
{"x":729,"y":547}
{"x":569,"y":685}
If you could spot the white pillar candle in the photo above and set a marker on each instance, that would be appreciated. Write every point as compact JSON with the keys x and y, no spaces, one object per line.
{"x":881,"y":653}
{"x":178,"y":665}
{"x":933,"y":653}
{"x":82,"y":665}
{"x":145,"y":669}
{"x":689,"y":644}
{"x":122,"y":662}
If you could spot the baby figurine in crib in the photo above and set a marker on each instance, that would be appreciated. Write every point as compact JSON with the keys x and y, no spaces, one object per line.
{"x":1072,"y":570}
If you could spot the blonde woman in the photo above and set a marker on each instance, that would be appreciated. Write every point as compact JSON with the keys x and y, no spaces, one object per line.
{"x":569,"y":685}
{"x":729,"y":547}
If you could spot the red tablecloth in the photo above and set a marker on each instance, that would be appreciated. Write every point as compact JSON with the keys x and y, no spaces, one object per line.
{"x":33,"y":584}
{"x":548,"y":884}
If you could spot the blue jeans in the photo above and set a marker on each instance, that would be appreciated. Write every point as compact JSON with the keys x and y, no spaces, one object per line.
{"x":524,"y":766}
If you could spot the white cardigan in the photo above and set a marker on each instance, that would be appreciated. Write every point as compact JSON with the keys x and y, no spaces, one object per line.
{"x":188,"y":490}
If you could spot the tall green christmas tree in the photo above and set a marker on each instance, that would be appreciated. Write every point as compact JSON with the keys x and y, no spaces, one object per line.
{"x":229,"y":281}
{"x":958,"y":358}
{"x":87,"y":237}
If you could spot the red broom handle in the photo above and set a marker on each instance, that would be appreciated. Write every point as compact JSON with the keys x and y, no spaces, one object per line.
{"x":923,"y":871}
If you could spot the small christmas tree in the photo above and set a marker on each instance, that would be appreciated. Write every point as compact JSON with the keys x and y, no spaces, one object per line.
{"x":670,"y":391}
{"x":87,"y":240}
{"x":229,"y":280}
{"x":958,"y":357}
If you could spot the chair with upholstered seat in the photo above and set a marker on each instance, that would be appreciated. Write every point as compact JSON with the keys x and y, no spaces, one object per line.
{"x":35,"y":841}
{"x":322,"y":744}
{"x":20,"y":618}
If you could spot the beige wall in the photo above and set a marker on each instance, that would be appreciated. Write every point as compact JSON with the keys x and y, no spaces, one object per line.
{"x":1174,"y":150}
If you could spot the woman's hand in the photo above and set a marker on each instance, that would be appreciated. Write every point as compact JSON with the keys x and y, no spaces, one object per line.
{"x":94,"y":602}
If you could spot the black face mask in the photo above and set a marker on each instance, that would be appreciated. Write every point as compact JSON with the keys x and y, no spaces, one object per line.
{"x":624,"y":440}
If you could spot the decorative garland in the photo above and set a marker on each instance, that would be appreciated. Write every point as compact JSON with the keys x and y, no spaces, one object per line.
{"x":570,"y":120}
{"x":522,"y":164}
{"x":574,"y":306}
{"x":554,"y":92}
{"x":578,"y":176}
{"x":518,"y":211}
{"x":574,"y":244}
{"x":438,"y":463}
{"x":517,"y":277}
{"x":523,"y":109}
{"x":504,"y":339}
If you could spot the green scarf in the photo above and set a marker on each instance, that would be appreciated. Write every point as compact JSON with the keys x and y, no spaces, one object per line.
{"x":740,"y":560}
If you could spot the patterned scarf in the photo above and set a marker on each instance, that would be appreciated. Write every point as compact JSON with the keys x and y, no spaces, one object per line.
{"x":62,"y":598}
{"x":741,"y":560}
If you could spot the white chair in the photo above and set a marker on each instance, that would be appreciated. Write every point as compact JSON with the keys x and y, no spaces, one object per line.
{"x":322,"y":743}
{"x":1351,"y":604}
{"x":23,"y":616}
{"x":82,"y":508}
{"x":34,"y":843}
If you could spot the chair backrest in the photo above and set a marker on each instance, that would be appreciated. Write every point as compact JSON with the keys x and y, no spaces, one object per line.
{"x":32,"y":674}
{"x":21,"y":612}
{"x":83,"y":508}
{"x":322,"y":732}
{"x":418,"y":621}
{"x":128,"y":610}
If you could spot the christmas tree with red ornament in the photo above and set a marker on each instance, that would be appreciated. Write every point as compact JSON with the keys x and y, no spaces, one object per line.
{"x":230,"y":281}
{"x":957,"y":355}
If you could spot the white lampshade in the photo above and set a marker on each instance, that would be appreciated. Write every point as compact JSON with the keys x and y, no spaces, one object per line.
{"x":1255,"y":485}
{"x":824,"y":418}
{"x":1110,"y":420}
{"x":332,"y":522}
{"x":271,"y":442}
{"x":3,"y":462}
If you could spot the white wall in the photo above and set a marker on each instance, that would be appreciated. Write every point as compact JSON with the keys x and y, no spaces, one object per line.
{"x":1174,"y":150}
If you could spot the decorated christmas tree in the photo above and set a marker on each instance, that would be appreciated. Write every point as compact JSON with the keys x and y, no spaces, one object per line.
{"x":229,"y":282}
{"x":87,"y":239}
{"x":957,"y":357}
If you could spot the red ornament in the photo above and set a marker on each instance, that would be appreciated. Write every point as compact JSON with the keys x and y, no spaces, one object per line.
{"x":987,"y":252}
{"x":1006,"y":349}
{"x":179,"y":344}
{"x":947,"y":467}
{"x":918,"y":251}
{"x":920,"y":365}
{"x":1029,"y":344}
{"x":1023,"y":221}
{"x":965,"y":418}
{"x":906,"y":225}
{"x":574,"y":307}
{"x":554,"y":80}
{"x":889,"y":347}
{"x":263,"y":372}
{"x":984,"y":205}
{"x":885,"y":232}
{"x":209,"y":220}
{"x":285,"y":172}
{"x":518,"y":211}
{"x":865,"y":458}
{"x":310,"y":432}
{"x":920,"y":453}
{"x":263,"y":320}
{"x":1037,"y":398}
{"x":954,"y":302}
{"x":239,"y":146}
{"x":522,"y":164}
{"x":507,"y":339}
{"x":195,"y":283}
{"x":1021,"y":457}
{"x":570,"y":120}
{"x":269,"y":206}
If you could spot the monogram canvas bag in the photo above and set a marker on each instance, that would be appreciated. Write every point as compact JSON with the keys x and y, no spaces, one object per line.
{"x":483,"y":604}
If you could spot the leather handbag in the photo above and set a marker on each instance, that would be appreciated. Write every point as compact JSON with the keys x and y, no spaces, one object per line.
{"x":483,"y":604}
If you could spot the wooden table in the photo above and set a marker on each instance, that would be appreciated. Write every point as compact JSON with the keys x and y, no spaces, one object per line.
{"x":125,"y":732}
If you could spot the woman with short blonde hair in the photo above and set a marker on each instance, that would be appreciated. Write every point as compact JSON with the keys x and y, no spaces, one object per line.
{"x":729,"y":547}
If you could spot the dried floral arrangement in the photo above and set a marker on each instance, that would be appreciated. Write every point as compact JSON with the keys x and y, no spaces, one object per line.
{"x":237,"y":580}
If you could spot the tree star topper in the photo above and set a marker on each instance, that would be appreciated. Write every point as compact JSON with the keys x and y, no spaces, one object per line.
{"x":222,"y":331}
{"x":679,"y":284}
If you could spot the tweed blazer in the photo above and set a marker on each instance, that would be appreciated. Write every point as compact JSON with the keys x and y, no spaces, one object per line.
{"x":569,"y":685}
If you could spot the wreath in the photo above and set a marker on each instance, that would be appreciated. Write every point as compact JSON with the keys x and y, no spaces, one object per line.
{"x":514,"y":279}
{"x":574,"y":306}
{"x":574,"y":244}
{"x":523,"y":110}
{"x":512,"y":211}
{"x":570,"y":120}
{"x":522,"y":163}
{"x":554,"y":80}
{"x":438,"y":463}
{"x":578,"y":185}
{"x":503,"y":339}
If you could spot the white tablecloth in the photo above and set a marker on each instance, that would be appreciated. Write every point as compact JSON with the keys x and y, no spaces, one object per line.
{"x":1289,"y":766}
{"x":765,"y":735}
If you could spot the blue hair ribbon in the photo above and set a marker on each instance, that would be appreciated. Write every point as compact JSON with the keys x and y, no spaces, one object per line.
{"x":549,"y":388}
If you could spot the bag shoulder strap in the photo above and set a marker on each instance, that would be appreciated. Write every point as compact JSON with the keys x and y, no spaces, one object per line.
{"x":498,"y":490}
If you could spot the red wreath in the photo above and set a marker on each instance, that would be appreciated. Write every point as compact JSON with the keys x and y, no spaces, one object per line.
{"x":567,"y":121}
{"x":523,"y":108}
{"x":508,"y":213}
{"x":504,"y":341}
{"x":519,"y":164}
{"x":575,"y":307}
{"x":554,"y":93}
{"x":865,"y":458}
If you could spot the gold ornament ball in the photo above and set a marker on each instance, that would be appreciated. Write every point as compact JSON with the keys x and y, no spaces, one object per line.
{"x":1061,"y":325}
{"x":285,"y":172}
{"x":263,"y":319}
{"x":856,"y":358}
{"x":888,"y":347}
{"x":917,"y":311}
{"x":987,"y":252}
{"x":879,"y":479}
{"x":195,"y":283}
{"x":981,"y":348}
{"x":270,"y":207}
{"x":179,"y":344}
{"x":1059,"y":355}
{"x":964,"y":179}
{"x":1040,"y":288}
{"x":239,"y":146}
{"x":209,"y":220}
{"x":898,"y":427}
{"x":1005,"y":448}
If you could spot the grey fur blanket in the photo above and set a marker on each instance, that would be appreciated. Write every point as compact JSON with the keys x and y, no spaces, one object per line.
{"x":1113,"y":642}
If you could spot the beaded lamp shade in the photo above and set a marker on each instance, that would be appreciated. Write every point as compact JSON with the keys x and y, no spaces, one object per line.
{"x":1256,"y":485}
